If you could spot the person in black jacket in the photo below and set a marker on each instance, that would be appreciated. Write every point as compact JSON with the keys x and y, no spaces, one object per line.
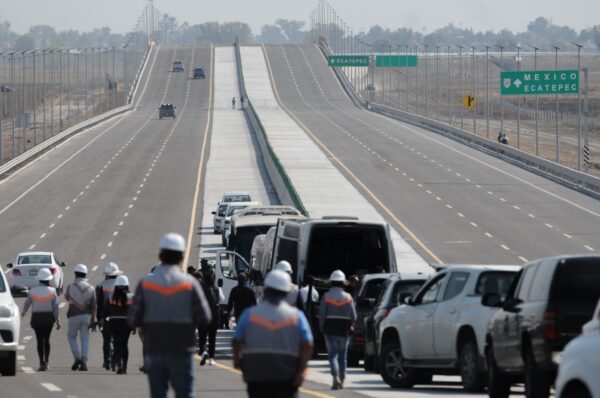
{"x":241,"y":297}
{"x":119,"y":302}
{"x":211,"y":291}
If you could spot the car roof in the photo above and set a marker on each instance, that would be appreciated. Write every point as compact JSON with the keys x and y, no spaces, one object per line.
{"x":370,"y":277}
{"x":261,"y":219}
{"x":35,"y":254}
{"x":251,"y":203}
{"x":199,"y":68}
{"x":480,"y":267}
{"x":410,"y":277}
{"x":232,"y":193}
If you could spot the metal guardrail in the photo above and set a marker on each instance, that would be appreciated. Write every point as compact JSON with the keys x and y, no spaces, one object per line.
{"x":281,"y":181}
{"x":585,"y":183}
{"x":41,"y":148}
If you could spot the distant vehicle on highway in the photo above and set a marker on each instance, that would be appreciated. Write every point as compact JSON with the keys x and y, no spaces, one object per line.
{"x":199,"y":73}
{"x":236,"y":196}
{"x":166,"y":110}
{"x":580,"y":364}
{"x":26,"y":266}
{"x":544,"y":309}
{"x":222,"y":216}
{"x":178,"y":66}
{"x":442,"y":330}
{"x":10,"y":323}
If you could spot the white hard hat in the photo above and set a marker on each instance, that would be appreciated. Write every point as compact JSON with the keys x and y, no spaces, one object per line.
{"x":111,"y":269}
{"x":337,"y":276}
{"x":284,"y":266}
{"x":44,"y":275}
{"x":278,"y":280}
{"x":81,"y":268}
{"x":122,"y":280}
{"x":173,"y":241}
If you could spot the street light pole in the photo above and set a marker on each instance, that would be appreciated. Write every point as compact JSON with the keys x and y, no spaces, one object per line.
{"x":537,"y":146}
{"x":579,"y":47}
{"x":437,"y":83}
{"x":501,"y":97}
{"x":518,"y":100}
{"x":487,"y":91}
{"x":426,"y":60}
{"x":460,"y":72}
{"x":473,"y":89}
{"x":557,"y":107}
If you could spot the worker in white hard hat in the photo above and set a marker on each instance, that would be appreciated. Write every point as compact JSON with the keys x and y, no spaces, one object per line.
{"x":82,"y":316}
{"x":273,"y":342}
{"x":168,"y":306}
{"x":43,"y":301}
{"x":103,"y":291}
{"x":336,"y":320}
{"x":292,"y":297}
{"x":119,"y":302}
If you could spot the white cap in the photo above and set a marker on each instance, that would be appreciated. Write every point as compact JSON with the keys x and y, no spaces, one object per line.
{"x":81,"y":268}
{"x":44,"y":275}
{"x":284,"y":266}
{"x":173,"y":241}
{"x":111,"y":269}
{"x":278,"y":280}
{"x":337,"y":276}
{"x":122,"y":280}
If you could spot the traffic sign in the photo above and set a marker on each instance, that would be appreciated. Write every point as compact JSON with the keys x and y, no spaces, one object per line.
{"x":539,"y":82}
{"x":469,"y":101}
{"x":396,"y":61}
{"x":348,"y":60}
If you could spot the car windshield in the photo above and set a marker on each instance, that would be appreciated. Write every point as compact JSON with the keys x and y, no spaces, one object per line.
{"x":231,"y":209}
{"x":237,"y":198}
{"x":35,"y":259}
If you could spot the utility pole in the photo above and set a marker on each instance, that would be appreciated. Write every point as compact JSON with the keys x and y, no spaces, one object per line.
{"x":557,"y":107}
{"x":460,"y":72}
{"x":579,"y":47}
{"x":537,"y":144}
{"x":518,"y":100}
{"x":501,"y":98}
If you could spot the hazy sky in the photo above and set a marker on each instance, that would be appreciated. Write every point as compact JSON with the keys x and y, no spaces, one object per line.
{"x":120,"y":15}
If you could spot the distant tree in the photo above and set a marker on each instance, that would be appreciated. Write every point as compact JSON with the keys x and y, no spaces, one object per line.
{"x":24,"y":43}
{"x":292,"y":30}
{"x":271,"y":34}
{"x":43,"y":35}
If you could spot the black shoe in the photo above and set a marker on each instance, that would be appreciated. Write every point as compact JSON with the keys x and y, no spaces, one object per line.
{"x":143,"y":369}
{"x":76,"y":364}
{"x":83,"y":367}
{"x":122,"y":371}
{"x":106,"y":365}
{"x":113,"y":367}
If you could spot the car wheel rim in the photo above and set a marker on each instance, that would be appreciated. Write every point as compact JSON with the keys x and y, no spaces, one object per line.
{"x":393,"y":365}
{"x":468,"y":367}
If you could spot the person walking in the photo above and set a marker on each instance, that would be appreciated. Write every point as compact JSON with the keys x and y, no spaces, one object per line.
{"x":209,"y":332}
{"x":119,"y":302}
{"x":273,"y":343}
{"x":43,"y":301}
{"x":336,"y":320}
{"x":233,"y":103}
{"x":104,"y":290}
{"x":82,"y":316}
{"x":292,"y":297}
{"x":241,"y":297}
{"x":168,"y":305}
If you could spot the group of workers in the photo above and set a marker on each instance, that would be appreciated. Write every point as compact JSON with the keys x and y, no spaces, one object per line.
{"x":272,"y":342}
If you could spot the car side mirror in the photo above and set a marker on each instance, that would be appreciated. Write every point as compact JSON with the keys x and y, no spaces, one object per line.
{"x":368,"y":302}
{"x":491,"y":300}
{"x":220,"y":283}
{"x":406,"y":298}
{"x":19,"y":291}
{"x":62,"y":264}
{"x":9,"y":265}
{"x":214,"y":213}
{"x":511,"y":305}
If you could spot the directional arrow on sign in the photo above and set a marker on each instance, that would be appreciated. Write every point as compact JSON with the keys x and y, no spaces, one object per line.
{"x":518,"y":83}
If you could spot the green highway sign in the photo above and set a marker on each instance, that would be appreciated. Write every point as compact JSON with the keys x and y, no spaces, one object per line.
{"x":539,"y":82}
{"x":348,"y":60}
{"x":396,"y":61}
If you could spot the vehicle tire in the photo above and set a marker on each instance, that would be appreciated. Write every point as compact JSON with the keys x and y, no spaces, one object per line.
{"x":8,"y":367}
{"x":392,"y":371}
{"x":498,"y":383}
{"x":577,"y":391}
{"x":473,"y":379}
{"x":369,"y":363}
{"x":537,"y":381}
{"x":353,"y":359}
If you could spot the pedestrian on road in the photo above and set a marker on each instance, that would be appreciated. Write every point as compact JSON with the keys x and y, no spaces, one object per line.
{"x":273,"y":343}
{"x":336,"y":320}
{"x":233,"y":103}
{"x":241,"y":297}
{"x":307,"y":289}
{"x":211,"y":292}
{"x":104,"y":290}
{"x":82,"y":316}
{"x":43,"y":301}
{"x":292,"y":297}
{"x":168,"y":305}
{"x":119,"y":302}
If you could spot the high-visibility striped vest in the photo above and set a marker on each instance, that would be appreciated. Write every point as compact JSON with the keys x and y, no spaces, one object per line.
{"x":107,"y":286}
{"x":338,"y":313}
{"x":167,"y":296}
{"x":42,"y":298}
{"x":272,"y":346}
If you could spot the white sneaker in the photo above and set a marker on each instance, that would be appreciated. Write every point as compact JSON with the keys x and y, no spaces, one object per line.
{"x":211,"y":362}
{"x":204,"y":358}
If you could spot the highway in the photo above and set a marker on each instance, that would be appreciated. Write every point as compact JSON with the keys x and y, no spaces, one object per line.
{"x":464,"y":206}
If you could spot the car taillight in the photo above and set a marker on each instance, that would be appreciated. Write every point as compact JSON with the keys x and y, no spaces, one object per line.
{"x":549,"y":325}
{"x":359,"y":337}
{"x":53,"y":270}
{"x":386,"y":312}
{"x":16,"y":272}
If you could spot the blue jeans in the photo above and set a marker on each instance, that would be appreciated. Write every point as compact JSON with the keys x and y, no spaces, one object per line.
{"x":80,"y":324}
{"x":175,"y":368}
{"x":337,"y":349}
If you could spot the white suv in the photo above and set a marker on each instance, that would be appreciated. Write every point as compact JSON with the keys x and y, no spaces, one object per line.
{"x":580,"y":364}
{"x":443,"y":328}
{"x":10,"y":322}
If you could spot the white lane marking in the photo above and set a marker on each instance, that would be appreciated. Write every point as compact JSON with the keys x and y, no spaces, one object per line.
{"x":531,"y":215}
{"x":505,"y":247}
{"x":67,"y":208}
{"x":94,"y":268}
{"x":567,"y":236}
{"x":27,"y":338}
{"x":489,"y":235}
{"x":20,"y":357}
{"x":523,"y":259}
{"x":549,"y":225}
{"x":52,"y":225}
{"x":516,"y":207}
{"x":27,"y":369}
{"x":42,"y":236}
{"x":103,"y":256}
{"x":438,"y":198}
{"x":490,"y":192}
{"x":75,"y":200}
{"x":131,"y":206}
{"x":20,"y":347}
{"x":115,"y":233}
{"x":478,"y":186}
{"x":50,"y":387}
{"x":460,"y":215}
{"x":473,"y":224}
{"x":59,"y":216}
{"x":429,"y":192}
{"x":448,"y":206}
{"x":121,"y":223}
{"x":125,"y":215}
{"x":32,"y":247}
{"x":589,"y":248}
{"x":109,"y":244}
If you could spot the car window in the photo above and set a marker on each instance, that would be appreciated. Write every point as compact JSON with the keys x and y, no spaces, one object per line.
{"x":237,"y":198}
{"x":402,"y":287}
{"x":456,"y":284}
{"x":231,"y":209}
{"x":430,"y":292}
{"x":34,"y":259}
{"x":540,"y":287}
{"x":2,"y":284}
{"x":578,"y":280}
{"x":221,"y":211}
{"x":373,"y":288}
{"x":526,"y":282}
{"x":494,"y":282}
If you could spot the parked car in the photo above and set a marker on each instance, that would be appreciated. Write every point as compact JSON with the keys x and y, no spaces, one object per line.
{"x":365,"y":296}
{"x":178,"y":66}
{"x":442,"y":330}
{"x":231,"y":209}
{"x":391,"y":291}
{"x":27,"y":264}
{"x":580,"y":364}
{"x":10,"y":322}
{"x":166,"y":110}
{"x":199,"y":73}
{"x":237,"y":196}
{"x":543,"y":311}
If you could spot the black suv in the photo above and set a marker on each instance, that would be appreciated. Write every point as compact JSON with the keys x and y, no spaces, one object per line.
{"x":199,"y":73}
{"x":545,"y":308}
{"x":166,"y":110}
